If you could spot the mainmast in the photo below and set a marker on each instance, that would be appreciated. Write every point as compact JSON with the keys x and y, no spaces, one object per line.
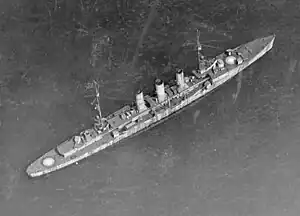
{"x":97,"y":99}
{"x":199,"y":47}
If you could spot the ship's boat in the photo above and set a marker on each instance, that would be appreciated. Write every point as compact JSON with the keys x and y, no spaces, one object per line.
{"x":151,"y":109}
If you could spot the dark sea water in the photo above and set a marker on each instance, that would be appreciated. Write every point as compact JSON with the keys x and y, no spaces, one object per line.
{"x":217,"y":158}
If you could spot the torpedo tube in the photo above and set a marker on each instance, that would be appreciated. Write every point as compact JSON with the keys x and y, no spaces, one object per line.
{"x":140,"y":102}
{"x":180,"y":79}
{"x":160,"y":90}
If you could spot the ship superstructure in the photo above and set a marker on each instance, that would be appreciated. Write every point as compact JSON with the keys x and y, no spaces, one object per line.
{"x":151,"y":109}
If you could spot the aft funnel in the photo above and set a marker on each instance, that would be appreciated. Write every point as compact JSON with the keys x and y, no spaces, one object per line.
{"x":160,"y":90}
{"x":140,"y":103}
{"x":180,"y":79}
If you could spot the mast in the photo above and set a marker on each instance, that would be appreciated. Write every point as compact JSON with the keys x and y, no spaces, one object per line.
{"x":201,"y":63}
{"x":199,"y":47}
{"x":98,"y":108}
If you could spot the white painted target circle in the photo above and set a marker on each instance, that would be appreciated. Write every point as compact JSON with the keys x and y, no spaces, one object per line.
{"x":48,"y":161}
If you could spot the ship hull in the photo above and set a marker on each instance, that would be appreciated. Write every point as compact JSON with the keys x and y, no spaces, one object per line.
{"x":195,"y":94}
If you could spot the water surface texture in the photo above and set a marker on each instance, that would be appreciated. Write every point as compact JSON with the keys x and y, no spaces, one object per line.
{"x":217,"y":158}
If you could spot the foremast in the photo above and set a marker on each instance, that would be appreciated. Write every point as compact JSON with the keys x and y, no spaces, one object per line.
{"x":201,"y":57}
{"x":100,"y":123}
{"x":204,"y":64}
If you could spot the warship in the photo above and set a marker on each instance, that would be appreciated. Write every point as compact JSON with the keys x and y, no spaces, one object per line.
{"x":149,"y":110}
